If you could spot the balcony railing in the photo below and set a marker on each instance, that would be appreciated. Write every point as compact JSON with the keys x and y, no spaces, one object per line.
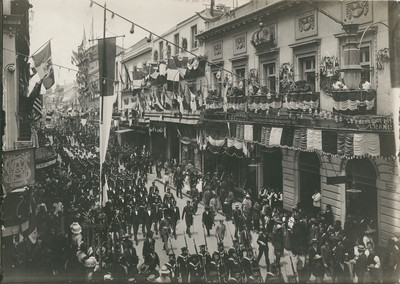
{"x":354,"y":102}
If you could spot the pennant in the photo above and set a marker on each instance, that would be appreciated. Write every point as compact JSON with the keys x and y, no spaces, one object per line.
{"x":44,"y":66}
{"x":107,"y":51}
{"x":162,"y":69}
{"x":173,"y":75}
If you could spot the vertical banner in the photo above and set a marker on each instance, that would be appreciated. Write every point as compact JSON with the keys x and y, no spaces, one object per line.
{"x":18,"y":168}
{"x":107,"y":51}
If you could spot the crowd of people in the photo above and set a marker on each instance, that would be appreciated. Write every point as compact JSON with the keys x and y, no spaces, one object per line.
{"x":79,"y":239}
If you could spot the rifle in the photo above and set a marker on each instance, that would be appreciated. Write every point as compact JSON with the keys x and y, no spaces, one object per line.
{"x":205,"y":239}
{"x":294,"y":272}
{"x":172,"y":249}
{"x":184,"y":235}
{"x":230,"y":233}
{"x":202,"y":261}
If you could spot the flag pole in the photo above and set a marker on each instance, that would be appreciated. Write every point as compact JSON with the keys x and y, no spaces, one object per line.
{"x":102,"y":98}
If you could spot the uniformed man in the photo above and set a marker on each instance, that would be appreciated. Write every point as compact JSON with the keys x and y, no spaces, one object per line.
{"x":196,"y":271}
{"x":237,"y":220}
{"x":168,"y":196}
{"x":262,"y":242}
{"x":245,"y":237}
{"x":174,"y":215}
{"x":182,"y":265}
{"x":149,"y":242}
{"x":172,"y":267}
{"x":220,"y":231}
{"x":188,"y":215}
{"x":233,"y":265}
{"x":206,"y":258}
{"x":208,"y":220}
{"x":248,"y":263}
{"x":165,"y":230}
{"x":136,"y":220}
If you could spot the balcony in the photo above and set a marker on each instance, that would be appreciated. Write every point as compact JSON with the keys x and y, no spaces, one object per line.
{"x":354,"y":102}
{"x":173,"y":116}
{"x":301,"y":101}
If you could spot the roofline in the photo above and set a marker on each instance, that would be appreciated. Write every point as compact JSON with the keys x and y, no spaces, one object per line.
{"x":209,"y":32}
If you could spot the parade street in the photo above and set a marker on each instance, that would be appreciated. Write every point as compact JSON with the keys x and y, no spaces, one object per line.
{"x":198,"y":233}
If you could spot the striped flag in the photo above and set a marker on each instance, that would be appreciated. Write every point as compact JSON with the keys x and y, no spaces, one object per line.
{"x":38,"y":105}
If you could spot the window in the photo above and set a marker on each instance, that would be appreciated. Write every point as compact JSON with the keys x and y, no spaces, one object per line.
{"x":269,"y":76}
{"x":161,"y":47}
{"x":365,"y":62}
{"x":193,"y":36}
{"x":307,"y":70}
{"x":176,"y":42}
{"x":240,"y":77}
{"x":217,"y":82}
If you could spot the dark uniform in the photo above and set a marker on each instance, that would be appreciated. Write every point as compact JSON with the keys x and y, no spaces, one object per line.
{"x":172,"y":267}
{"x":262,"y":242}
{"x":136,"y":220}
{"x":196,"y":270}
{"x":208,"y":220}
{"x":182,"y":265}
{"x":188,"y":215}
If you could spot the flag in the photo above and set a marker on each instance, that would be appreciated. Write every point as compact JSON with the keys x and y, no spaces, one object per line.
{"x":34,"y":100}
{"x":33,"y":236}
{"x":127,"y":74}
{"x":38,"y":105}
{"x":107,"y":51}
{"x":44,"y":66}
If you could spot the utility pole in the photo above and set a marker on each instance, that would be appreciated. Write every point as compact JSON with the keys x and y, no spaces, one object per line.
{"x":2,"y":128}
{"x":394,"y":53}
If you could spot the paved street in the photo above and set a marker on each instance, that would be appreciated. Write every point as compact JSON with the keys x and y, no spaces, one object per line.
{"x":198,"y":236}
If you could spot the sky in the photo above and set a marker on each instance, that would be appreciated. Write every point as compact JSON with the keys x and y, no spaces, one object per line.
{"x":63,"y":21}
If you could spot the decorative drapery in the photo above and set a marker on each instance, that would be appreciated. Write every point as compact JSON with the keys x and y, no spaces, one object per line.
{"x":287,"y":136}
{"x":216,"y":142}
{"x":248,"y":132}
{"x":314,"y":139}
{"x":275,"y":136}
{"x":366,"y":144}
{"x":264,"y":102}
{"x":237,"y":103}
{"x":239,"y":131}
{"x":300,"y":139}
{"x":351,"y":100}
{"x":302,"y":101}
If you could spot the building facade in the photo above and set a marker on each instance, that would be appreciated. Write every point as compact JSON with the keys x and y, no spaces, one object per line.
{"x":299,"y":98}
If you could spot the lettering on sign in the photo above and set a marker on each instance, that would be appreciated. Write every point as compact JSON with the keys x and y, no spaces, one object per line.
{"x":374,"y":123}
{"x":259,"y":118}
{"x":18,"y":169}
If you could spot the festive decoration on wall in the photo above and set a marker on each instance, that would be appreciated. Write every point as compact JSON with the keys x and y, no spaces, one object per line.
{"x":382,"y":58}
{"x":265,"y":38}
{"x":286,"y":77}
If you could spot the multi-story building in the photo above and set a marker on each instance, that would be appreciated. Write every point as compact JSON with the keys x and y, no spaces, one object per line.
{"x":177,"y":89}
{"x":133,"y":79}
{"x":299,"y":102}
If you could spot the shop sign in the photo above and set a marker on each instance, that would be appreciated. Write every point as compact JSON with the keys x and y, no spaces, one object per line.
{"x":156,"y":129}
{"x":18,"y":168}
{"x":373,"y":123}
{"x":260,"y":118}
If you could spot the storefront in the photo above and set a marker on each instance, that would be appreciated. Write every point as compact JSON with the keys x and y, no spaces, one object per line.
{"x":158,"y":141}
{"x":272,"y":168}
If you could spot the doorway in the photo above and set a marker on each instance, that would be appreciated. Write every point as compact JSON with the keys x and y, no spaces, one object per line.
{"x":310,"y":179}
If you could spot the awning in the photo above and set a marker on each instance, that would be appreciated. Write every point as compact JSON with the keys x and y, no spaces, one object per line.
{"x":123,"y":131}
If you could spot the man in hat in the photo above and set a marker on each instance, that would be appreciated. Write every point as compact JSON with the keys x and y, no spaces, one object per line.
{"x":165,"y":230}
{"x":152,"y":261}
{"x":148,"y":217}
{"x":188,"y":215}
{"x":245,"y":236}
{"x":172,"y":267}
{"x":237,"y":219}
{"x":206,"y":258}
{"x":262,"y":242}
{"x":215,"y":269}
{"x":220,"y":231}
{"x":168,"y":196}
{"x":248,"y":262}
{"x":135,"y":219}
{"x":182,"y":265}
{"x":208,"y":220}
{"x":164,"y":275}
{"x":174,"y":214}
{"x":222,"y":253}
{"x":148,"y":243}
{"x":233,"y":264}
{"x":196,"y":271}
{"x":247,"y":209}
{"x":277,"y":239}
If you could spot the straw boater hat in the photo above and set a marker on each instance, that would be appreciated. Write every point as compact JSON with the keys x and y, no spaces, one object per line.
{"x":164,"y":270}
{"x":76,"y":228}
{"x":90,"y":262}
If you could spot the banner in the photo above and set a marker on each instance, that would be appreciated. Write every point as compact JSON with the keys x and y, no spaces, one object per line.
{"x":18,"y":168}
{"x":44,"y":66}
{"x":107,"y":51}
